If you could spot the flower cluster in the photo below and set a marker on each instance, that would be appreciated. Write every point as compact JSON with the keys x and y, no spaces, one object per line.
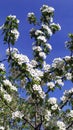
{"x":13,"y":17}
{"x":15,"y":33}
{"x":2,"y":67}
{"x":70,"y":114}
{"x":39,"y":32}
{"x":46,"y":29}
{"x":53,"y":103}
{"x":67,"y":95}
{"x":55,"y":27}
{"x":11,"y":25}
{"x":39,"y":90}
{"x":47,"y":12}
{"x":59,"y":82}
{"x":20,"y":58}
{"x":12,"y":51}
{"x":31,"y":18}
{"x":6,"y":96}
{"x":47,"y":115}
{"x":35,"y":73}
{"x":2,"y":128}
{"x":58,"y":63}
{"x":7,"y":83}
{"x":17,"y":114}
{"x":61,"y":125}
{"x":46,"y":8}
{"x":41,"y":48}
{"x":51,"y":85}
{"x":68,"y":76}
{"x":41,"y":39}
{"x":46,"y":67}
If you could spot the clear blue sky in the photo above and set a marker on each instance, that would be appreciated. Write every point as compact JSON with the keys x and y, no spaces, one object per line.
{"x":20,"y":8}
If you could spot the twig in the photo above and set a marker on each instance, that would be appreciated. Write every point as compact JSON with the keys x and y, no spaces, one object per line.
{"x":3,"y":60}
{"x":69,"y":125}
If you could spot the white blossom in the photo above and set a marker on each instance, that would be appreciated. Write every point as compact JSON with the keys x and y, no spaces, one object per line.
{"x":63,"y":98}
{"x":46,"y":8}
{"x":18,"y":20}
{"x":47,"y":29}
{"x":61,"y":125}
{"x":59,"y":81}
{"x":15,"y":50}
{"x":41,"y":38}
{"x":35,"y":73}
{"x":66,"y":94}
{"x":52,"y":100}
{"x":67,"y":58}
{"x":2,"y":67}
{"x":54,"y":107}
{"x":21,"y":58}
{"x":33,"y":63}
{"x":39,"y":89}
{"x":17,"y":114}
{"x":8,"y":51}
{"x":7,"y":97}
{"x":37,"y":48}
{"x":47,"y":115}
{"x":70,"y":91}
{"x":42,"y":54}
{"x":68,"y":76}
{"x":2,"y":89}
{"x":5,"y":94}
{"x":38,"y":32}
{"x":16,"y":33}
{"x":42,"y":94}
{"x":51,"y":19}
{"x":46,"y":67}
{"x":14,"y":17}
{"x":58,"y":25}
{"x":49,"y":46}
{"x":70,"y":114}
{"x":8,"y":83}
{"x":50,"y":85}
{"x":30,"y":14}
{"x":36,"y":87}
{"x":39,"y":72}
{"x":2,"y":128}
{"x":36,"y":78}
{"x":29,"y":66}
{"x":58,"y":63}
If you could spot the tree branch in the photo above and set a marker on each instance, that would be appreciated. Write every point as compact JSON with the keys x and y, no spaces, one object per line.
{"x":3,"y":60}
{"x":69,"y":125}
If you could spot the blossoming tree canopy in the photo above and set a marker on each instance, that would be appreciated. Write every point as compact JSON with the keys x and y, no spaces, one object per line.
{"x":35,"y":109}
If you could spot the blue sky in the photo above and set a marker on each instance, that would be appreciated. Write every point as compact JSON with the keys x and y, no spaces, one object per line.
{"x":20,"y":8}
